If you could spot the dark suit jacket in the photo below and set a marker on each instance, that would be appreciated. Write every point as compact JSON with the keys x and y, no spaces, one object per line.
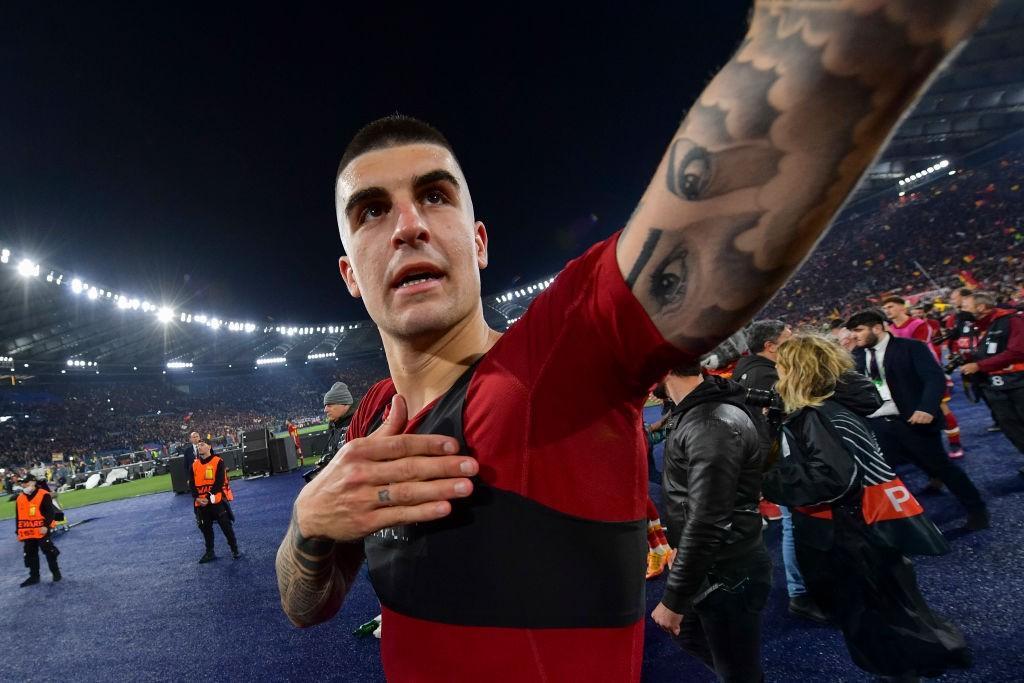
{"x":189,"y":454}
{"x":914,"y":377}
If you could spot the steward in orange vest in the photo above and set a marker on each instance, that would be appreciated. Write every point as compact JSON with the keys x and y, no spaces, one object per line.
{"x":35,"y":514}
{"x":209,"y":492}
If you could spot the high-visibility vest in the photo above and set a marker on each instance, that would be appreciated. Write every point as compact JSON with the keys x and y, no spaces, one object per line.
{"x":30,"y":516}
{"x":204,"y":474}
{"x":228,"y":493}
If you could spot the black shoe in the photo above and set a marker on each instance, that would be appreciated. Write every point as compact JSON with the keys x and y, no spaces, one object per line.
{"x":932,"y":488}
{"x":207,"y":557}
{"x":56,"y":576}
{"x":235,"y":553}
{"x":30,"y":581}
{"x":802,"y":606}
{"x":977,"y":520}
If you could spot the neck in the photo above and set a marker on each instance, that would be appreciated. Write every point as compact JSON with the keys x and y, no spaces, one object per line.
{"x":426,"y":367}
{"x":768,"y":355}
{"x":900,"y":320}
{"x":881,"y":339}
{"x":679,"y":388}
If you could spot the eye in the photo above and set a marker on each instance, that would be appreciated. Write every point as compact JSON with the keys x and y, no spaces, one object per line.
{"x":668,"y":281}
{"x":689,"y":169}
{"x":435,"y":196}
{"x":372,"y":212}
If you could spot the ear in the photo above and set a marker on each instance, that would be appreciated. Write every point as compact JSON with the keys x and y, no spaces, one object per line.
{"x":481,"y":245}
{"x":348,"y":274}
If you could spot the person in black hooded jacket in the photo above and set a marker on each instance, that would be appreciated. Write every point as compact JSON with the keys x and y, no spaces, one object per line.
{"x":711,"y":485}
{"x":854,"y":561}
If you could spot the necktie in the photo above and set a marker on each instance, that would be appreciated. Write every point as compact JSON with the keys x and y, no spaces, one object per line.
{"x":873,"y":367}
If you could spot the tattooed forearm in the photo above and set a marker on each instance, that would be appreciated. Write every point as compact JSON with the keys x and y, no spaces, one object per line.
{"x":313,"y":576}
{"x":771,"y":149}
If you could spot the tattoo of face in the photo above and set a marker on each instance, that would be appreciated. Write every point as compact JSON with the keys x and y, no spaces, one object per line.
{"x":645,"y":255}
{"x":668,"y":280}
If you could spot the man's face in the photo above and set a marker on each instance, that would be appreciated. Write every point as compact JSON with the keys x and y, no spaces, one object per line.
{"x":894,"y":311}
{"x":867,"y":335}
{"x":29,"y":487}
{"x":772,"y":346}
{"x":955,"y":299}
{"x":333,"y":411}
{"x":413,"y":250}
{"x":204,"y":449}
{"x":969,"y":305}
{"x":194,"y":438}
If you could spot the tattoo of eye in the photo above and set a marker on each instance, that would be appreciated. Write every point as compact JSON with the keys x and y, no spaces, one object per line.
{"x":645,"y":255}
{"x":689,"y":169}
{"x":668,"y":281}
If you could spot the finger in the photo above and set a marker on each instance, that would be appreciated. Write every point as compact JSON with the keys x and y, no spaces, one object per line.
{"x":408,"y":514}
{"x":402,"y":446}
{"x":395,"y":422}
{"x":418,"y":492}
{"x":420,"y":468}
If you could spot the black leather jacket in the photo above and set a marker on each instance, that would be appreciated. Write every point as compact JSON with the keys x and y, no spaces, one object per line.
{"x":711,"y":487}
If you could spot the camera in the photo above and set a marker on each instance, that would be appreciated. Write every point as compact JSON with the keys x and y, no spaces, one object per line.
{"x":943,"y":337}
{"x":770,"y":401}
{"x":956,"y":360}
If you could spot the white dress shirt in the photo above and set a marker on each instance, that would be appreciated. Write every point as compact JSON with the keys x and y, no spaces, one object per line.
{"x":888,"y":408}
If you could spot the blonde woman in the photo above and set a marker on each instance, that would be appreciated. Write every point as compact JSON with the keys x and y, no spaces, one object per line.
{"x":853,"y":520}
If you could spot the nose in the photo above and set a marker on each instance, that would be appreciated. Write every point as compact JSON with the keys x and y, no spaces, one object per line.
{"x":410,"y":227}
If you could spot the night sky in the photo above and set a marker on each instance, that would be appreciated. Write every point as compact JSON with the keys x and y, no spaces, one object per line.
{"x":187,"y":155}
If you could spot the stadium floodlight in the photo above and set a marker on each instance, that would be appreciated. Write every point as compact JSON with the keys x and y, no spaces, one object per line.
{"x":146,"y":306}
{"x":134,"y":303}
{"x":902,"y":193}
{"x":183,"y":317}
{"x":201,"y":319}
{"x":178,"y":365}
{"x":903,"y":182}
{"x":5,"y":256}
{"x":49,"y":278}
{"x":70,"y":363}
{"x":135,"y":367}
{"x":944,"y":163}
{"x":270,"y":360}
{"x":28,"y":269}
{"x":250,"y":327}
{"x":123,"y":303}
{"x":165,"y":315}
{"x":108,"y":294}
{"x":188,"y":319}
{"x":93,"y":294}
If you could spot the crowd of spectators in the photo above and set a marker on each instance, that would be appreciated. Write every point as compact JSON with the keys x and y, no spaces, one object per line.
{"x":962,"y":229}
{"x":101,"y":424}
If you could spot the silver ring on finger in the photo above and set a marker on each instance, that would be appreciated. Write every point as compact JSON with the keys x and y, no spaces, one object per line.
{"x":384,"y":496}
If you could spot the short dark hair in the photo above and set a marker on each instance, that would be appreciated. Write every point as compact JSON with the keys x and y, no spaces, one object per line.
{"x":391,"y":131}
{"x":836,"y":323}
{"x":760,"y":332}
{"x":894,"y":300}
{"x":964,"y":291}
{"x":688,"y":369}
{"x":869,"y":317}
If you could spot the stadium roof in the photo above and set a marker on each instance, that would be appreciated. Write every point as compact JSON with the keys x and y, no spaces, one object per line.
{"x":977,"y":101}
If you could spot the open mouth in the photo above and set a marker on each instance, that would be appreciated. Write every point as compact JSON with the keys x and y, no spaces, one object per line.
{"x":417,"y":276}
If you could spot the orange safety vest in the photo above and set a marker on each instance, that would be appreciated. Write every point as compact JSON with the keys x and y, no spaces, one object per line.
{"x":228,"y":493}
{"x":204,"y":474}
{"x":30,"y":517}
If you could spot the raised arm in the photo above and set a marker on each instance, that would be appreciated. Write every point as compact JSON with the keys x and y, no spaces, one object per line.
{"x":771,"y":149}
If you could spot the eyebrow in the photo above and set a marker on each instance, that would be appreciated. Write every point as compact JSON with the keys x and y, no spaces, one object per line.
{"x":439,"y":175}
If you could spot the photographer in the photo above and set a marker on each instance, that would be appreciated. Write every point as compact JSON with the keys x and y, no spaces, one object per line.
{"x":999,"y":354}
{"x":757,"y":372}
{"x":718,"y":583}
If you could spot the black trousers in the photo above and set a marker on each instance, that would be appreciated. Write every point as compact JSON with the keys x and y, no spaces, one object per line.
{"x":32,"y":548}
{"x":207,"y":516}
{"x":724,"y":629}
{"x":923,"y":448}
{"x":1007,"y":406}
